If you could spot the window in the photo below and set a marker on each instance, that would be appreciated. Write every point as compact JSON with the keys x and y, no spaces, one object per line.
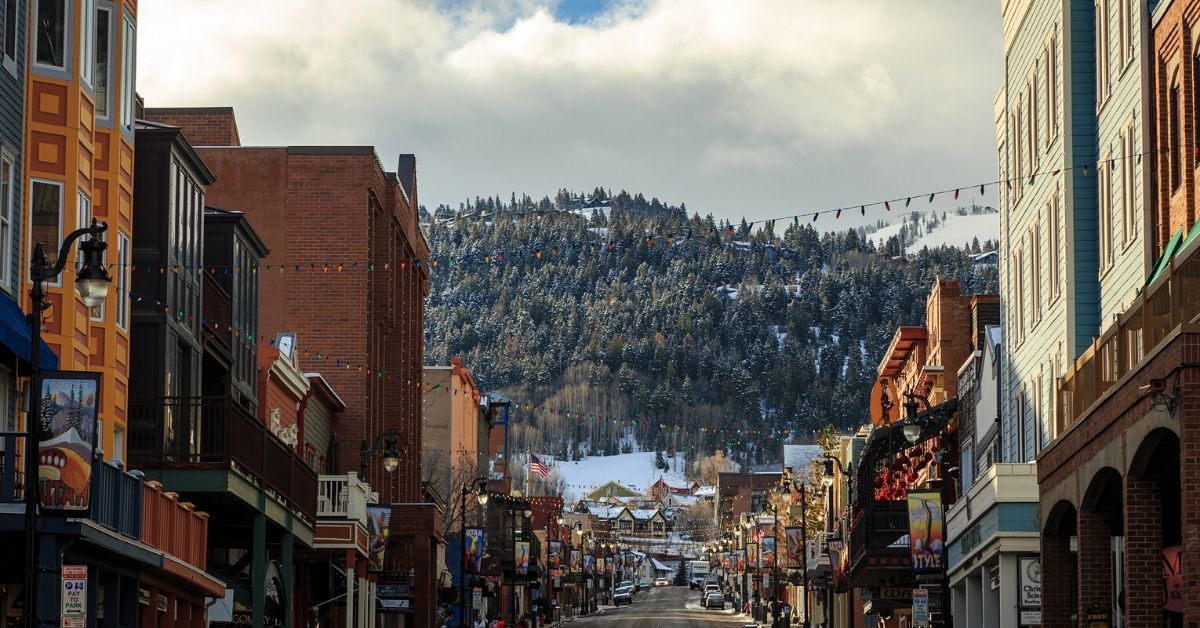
{"x":1053,"y":236}
{"x":10,"y":34}
{"x":118,"y":444}
{"x":103,"y":55}
{"x":87,"y":41}
{"x":1035,"y":259}
{"x":8,"y":180}
{"x":128,"y":73}
{"x":1105,"y":207}
{"x":45,"y":209}
{"x":1052,"y":88}
{"x":1022,"y":431}
{"x":1129,"y":224}
{"x":1038,"y":414}
{"x":50,"y":33}
{"x":1102,"y":52}
{"x":1035,"y":139}
{"x":1125,"y":34}
{"x":1019,"y":261}
{"x":122,"y":281}
{"x":1175,"y":149}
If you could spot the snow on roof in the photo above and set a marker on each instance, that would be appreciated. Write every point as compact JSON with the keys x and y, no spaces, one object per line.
{"x":658,"y":566}
{"x":706,"y":491}
{"x":604,"y":511}
{"x":632,"y":469}
{"x":643,"y":513}
{"x":799,"y":456}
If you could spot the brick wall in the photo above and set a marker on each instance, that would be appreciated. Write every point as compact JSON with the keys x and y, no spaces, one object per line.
{"x":202,"y":126}
{"x":1175,"y":205}
{"x":415,"y":535}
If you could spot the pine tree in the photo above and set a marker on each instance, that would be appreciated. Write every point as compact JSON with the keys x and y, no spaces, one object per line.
{"x":681,"y":574}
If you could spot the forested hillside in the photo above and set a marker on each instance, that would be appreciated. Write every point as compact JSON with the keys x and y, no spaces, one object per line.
{"x":684,"y":333}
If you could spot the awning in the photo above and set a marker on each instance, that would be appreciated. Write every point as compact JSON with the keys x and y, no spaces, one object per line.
{"x":15,"y":334}
{"x":1165,"y":258}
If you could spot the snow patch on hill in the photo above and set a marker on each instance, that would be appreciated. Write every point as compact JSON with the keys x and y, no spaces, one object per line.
{"x":956,"y":230}
{"x":635,"y":470}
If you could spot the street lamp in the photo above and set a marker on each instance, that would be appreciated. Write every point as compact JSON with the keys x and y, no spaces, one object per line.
{"x":787,"y":485}
{"x":91,"y":281}
{"x":479,"y":487}
{"x":390,"y":453}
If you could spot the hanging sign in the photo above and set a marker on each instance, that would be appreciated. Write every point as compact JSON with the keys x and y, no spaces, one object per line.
{"x":67,"y":440}
{"x":521,"y":557}
{"x":925,"y":531}
{"x":475,"y":541}
{"x":795,"y":546}
{"x":379,"y":523}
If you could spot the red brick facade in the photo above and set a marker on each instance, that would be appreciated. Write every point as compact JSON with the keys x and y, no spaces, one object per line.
{"x":202,"y":126}
{"x":1175,"y":94}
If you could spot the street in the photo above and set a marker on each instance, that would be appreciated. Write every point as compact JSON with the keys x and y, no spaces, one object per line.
{"x":664,"y":607}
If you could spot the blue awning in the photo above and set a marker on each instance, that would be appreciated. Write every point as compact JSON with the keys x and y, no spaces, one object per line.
{"x":15,"y":334}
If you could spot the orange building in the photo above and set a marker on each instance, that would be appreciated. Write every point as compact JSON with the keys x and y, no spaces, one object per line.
{"x":454,"y":430}
{"x":79,"y":134}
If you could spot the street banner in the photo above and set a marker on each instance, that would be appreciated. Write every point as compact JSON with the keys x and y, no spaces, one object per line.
{"x":795,"y":547}
{"x":576,"y":560}
{"x":752,"y":555}
{"x":589,"y":564}
{"x":725,"y":562}
{"x":521,"y":557}
{"x":1172,"y":575}
{"x":741,"y":560}
{"x":379,"y":523}
{"x":554,"y":557}
{"x":768,"y":552}
{"x":67,"y":440}
{"x":925,"y":536}
{"x":600,"y":566}
{"x":475,"y":545}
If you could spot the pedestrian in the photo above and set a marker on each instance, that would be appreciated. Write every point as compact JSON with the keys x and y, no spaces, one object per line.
{"x":499,"y":622}
{"x":479,"y":622}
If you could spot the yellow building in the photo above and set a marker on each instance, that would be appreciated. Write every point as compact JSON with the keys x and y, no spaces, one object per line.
{"x":454,"y":429}
{"x":79,"y":125}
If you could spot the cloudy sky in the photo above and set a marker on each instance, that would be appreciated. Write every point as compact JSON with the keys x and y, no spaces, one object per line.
{"x":761,"y":108}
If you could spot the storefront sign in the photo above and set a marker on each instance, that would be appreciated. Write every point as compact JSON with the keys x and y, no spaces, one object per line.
{"x":925,"y":531}
{"x":920,"y":608}
{"x":1097,"y":617}
{"x":399,"y":605}
{"x":475,"y":540}
{"x":74,"y":595}
{"x":67,"y":439}
{"x":1031,"y":582}
{"x":1031,"y":618}
{"x":1173,"y":577}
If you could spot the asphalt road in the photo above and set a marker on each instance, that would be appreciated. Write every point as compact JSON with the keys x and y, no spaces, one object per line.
{"x":665,"y":607}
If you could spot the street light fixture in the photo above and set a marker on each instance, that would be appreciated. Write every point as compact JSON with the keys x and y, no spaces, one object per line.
{"x":479,"y":487}
{"x":91,"y":281}
{"x":389,"y":453}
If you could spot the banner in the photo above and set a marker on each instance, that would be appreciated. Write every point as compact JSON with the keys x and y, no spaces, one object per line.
{"x":475,"y":546}
{"x":727,"y":561}
{"x":600,"y":566}
{"x":741,"y":560}
{"x":554,"y":555}
{"x":925,"y":535}
{"x":521,"y":557}
{"x":768,"y":552}
{"x":795,"y":547}
{"x":589,"y":564}
{"x":576,"y":560}
{"x":67,"y":440}
{"x":379,"y":523}
{"x":752,"y":556}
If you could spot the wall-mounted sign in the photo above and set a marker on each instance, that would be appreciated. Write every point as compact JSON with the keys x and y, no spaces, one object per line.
{"x":1173,"y":576}
{"x":379,"y":523}
{"x":67,"y":440}
{"x":920,"y":608}
{"x":1031,"y":582}
{"x":925,"y":535}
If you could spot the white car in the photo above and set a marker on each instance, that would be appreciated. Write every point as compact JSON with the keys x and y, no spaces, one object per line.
{"x":662,"y":582}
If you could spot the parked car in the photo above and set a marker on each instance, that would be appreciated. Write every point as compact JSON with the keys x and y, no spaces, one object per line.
{"x":714,"y":600}
{"x":623,"y":595}
{"x":645,"y":583}
{"x":628,"y":583}
{"x":709,"y":589}
{"x":697,"y":582}
{"x":662,"y":582}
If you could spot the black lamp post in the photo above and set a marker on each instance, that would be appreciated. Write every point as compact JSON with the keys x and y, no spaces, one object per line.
{"x":788,"y":484}
{"x":936,"y":422}
{"x":515,"y":506}
{"x":91,"y":281}
{"x":389,"y":453}
{"x":479,"y":487}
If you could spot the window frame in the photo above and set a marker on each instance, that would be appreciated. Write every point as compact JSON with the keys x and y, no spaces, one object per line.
{"x":66,"y":34}
{"x":1053,"y":243}
{"x":1106,"y":218}
{"x":128,"y":71}
{"x":8,"y":38}
{"x":7,"y":205}
{"x":87,"y":42}
{"x":107,"y":51}
{"x":123,"y":256}
{"x":1052,"y":88}
{"x":62,"y":188}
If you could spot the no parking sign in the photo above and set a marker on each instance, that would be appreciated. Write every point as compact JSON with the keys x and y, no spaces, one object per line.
{"x":74,"y":596}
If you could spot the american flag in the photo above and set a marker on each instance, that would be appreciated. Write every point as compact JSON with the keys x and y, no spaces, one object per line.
{"x":538,"y":467}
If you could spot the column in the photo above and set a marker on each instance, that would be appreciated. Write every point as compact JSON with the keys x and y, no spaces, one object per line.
{"x":351,"y":585}
{"x":988,"y":600}
{"x":1058,"y":580}
{"x":958,"y":600}
{"x":128,"y":601}
{"x":974,"y":590}
{"x":258,"y":571}
{"x":289,"y":591}
{"x":1095,"y":551}
{"x":149,"y":611}
{"x":1143,"y":552}
{"x":1009,"y":593}
{"x":113,"y":600}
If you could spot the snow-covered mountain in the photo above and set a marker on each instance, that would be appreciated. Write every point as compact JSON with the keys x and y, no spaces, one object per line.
{"x":934,"y":229}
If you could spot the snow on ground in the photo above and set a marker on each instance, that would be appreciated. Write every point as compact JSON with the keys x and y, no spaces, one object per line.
{"x":955,"y":231}
{"x":635,"y":470}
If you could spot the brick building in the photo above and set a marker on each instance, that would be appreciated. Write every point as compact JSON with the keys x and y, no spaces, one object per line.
{"x":346,"y":274}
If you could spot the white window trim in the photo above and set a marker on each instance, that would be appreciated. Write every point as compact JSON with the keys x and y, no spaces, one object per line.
{"x":66,"y":53}
{"x":6,"y":248}
{"x":57,"y":281}
{"x":128,"y":71}
{"x":108,"y":97}
{"x":123,"y":253}
{"x":9,"y":63}
{"x":87,"y":42}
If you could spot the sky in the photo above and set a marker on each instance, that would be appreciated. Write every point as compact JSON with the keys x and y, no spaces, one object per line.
{"x":755,"y":108}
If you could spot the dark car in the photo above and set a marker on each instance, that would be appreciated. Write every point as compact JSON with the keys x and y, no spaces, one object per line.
{"x":714,"y":600}
{"x":623,"y":595}
{"x":696,"y":582}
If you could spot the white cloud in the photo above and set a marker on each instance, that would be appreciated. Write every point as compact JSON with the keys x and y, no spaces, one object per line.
{"x":756,"y":107}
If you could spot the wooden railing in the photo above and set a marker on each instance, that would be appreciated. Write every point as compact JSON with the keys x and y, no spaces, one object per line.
{"x":173,"y":526}
{"x":344,"y":497}
{"x":1171,"y":300}
{"x":213,"y":432}
{"x":12,"y":473}
{"x":216,"y":309}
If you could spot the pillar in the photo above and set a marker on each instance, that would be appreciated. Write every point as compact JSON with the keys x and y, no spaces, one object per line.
{"x":128,"y":599}
{"x":974,"y":595}
{"x":989,"y":602}
{"x":150,"y":610}
{"x":113,"y":601}
{"x":1095,"y":555}
{"x":1058,"y":580}
{"x":258,"y":571}
{"x":1009,"y":593}
{"x":958,"y":599}
{"x":351,"y":585}
{"x":289,"y":591}
{"x":1143,"y":552}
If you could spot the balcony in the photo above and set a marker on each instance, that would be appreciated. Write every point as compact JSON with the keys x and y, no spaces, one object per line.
{"x":216,"y":310}
{"x":1171,"y":300}
{"x":196,"y":433}
{"x":344,"y":497}
{"x":879,"y":538}
{"x":174,"y":527}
